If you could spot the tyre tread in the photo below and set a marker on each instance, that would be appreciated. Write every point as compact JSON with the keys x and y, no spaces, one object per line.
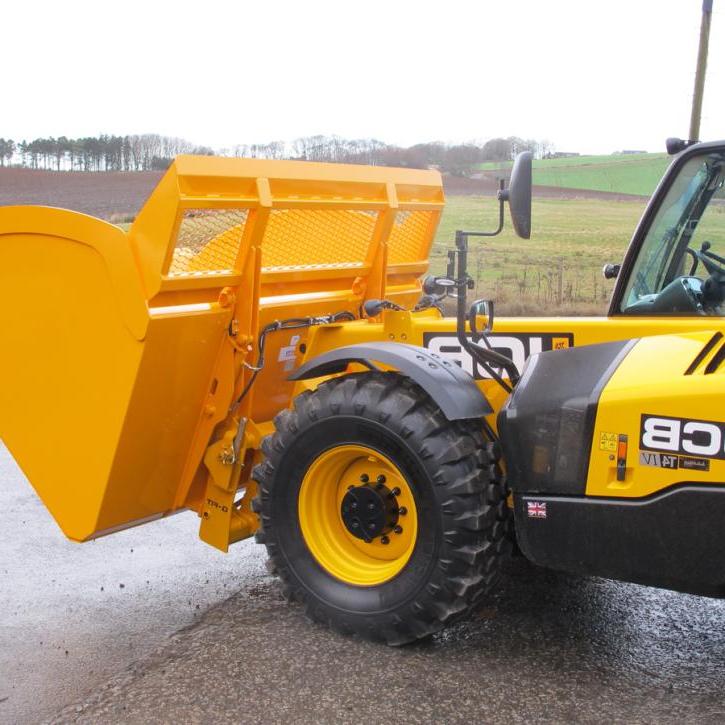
{"x":468,"y":482}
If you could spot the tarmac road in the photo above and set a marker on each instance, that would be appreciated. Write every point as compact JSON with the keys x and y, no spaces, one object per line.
{"x":546,"y":648}
{"x":73,"y":615}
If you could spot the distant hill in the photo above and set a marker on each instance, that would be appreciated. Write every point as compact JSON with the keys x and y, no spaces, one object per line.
{"x":635,"y":174}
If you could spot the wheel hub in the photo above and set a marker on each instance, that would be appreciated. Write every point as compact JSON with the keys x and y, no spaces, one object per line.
{"x":370,"y":510}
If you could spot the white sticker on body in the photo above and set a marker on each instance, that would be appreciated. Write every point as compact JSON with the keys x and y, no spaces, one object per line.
{"x":289,"y":352}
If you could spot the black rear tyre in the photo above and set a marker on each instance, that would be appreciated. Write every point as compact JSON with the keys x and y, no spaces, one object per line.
{"x":453,"y":477}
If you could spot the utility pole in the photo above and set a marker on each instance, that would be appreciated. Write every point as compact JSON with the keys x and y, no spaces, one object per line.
{"x":700,"y":71}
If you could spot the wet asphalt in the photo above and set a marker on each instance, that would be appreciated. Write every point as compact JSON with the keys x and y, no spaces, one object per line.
{"x":73,"y":615}
{"x":546,"y":647}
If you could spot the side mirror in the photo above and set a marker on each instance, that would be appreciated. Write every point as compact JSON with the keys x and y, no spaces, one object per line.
{"x":518,"y":195}
{"x":480,"y":308}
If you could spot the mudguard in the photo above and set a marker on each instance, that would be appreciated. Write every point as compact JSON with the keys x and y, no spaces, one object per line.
{"x":453,"y":389}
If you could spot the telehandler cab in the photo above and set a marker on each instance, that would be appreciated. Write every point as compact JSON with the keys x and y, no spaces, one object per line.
{"x":257,"y":349}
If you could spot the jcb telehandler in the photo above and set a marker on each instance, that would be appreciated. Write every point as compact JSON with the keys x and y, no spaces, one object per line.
{"x":259,"y":349}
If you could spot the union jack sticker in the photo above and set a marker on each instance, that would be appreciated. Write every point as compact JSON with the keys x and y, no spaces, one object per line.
{"x":536,"y":509}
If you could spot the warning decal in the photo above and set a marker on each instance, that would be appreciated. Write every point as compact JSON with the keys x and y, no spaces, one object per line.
{"x":608,"y":442}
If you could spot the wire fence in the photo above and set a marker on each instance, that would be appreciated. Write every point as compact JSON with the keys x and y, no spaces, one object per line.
{"x":529,"y":285}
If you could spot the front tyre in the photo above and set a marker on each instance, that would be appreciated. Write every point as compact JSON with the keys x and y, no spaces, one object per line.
{"x":383,"y":517}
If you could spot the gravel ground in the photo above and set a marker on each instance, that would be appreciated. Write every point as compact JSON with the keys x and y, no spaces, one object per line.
{"x":547,"y":648}
{"x":194,"y":636}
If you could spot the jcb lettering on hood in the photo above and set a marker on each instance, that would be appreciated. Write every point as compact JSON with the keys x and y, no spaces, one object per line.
{"x":681,"y":435}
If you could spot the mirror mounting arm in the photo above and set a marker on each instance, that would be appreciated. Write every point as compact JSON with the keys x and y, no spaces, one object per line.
{"x":518,"y":196}
{"x":502,"y":195}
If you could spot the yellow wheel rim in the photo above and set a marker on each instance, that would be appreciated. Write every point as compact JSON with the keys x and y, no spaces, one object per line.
{"x":341,"y":553}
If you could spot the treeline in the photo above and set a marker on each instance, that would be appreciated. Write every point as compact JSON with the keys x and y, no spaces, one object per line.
{"x":143,"y":152}
{"x":154,"y":152}
{"x":458,"y":159}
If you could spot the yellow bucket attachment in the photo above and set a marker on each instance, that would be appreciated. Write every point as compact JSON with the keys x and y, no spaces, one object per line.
{"x":121,"y":352}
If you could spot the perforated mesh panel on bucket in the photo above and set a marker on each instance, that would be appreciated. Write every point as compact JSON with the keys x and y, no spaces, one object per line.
{"x":409,"y":234}
{"x":208,"y":241}
{"x":316,"y":239}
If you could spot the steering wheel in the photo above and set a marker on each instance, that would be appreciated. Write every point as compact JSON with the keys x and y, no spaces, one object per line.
{"x":712,"y":292}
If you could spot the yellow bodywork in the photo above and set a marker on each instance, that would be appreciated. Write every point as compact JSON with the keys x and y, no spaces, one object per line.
{"x":123,"y":352}
{"x":655,"y":379}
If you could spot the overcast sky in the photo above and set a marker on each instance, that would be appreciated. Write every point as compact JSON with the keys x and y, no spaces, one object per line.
{"x":588,"y":75}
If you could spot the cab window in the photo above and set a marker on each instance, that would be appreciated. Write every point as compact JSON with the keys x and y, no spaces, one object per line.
{"x":680,"y":267}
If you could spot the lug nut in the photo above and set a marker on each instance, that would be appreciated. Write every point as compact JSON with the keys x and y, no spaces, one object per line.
{"x":380,"y":478}
{"x":395,"y":492}
{"x":364,"y":478}
{"x":384,"y":540}
{"x":398,"y":529}
{"x":353,"y":505}
{"x":371,"y":527}
{"x":402,"y":511}
{"x":379,"y":487}
{"x":355,"y":525}
{"x":371,"y":507}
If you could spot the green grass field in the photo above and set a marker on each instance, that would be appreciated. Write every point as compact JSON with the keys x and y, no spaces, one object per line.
{"x":558,"y":270}
{"x":621,"y":173}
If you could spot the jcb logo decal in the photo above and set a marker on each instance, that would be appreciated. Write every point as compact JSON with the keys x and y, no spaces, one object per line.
{"x":683,"y":436}
{"x":517,"y":346}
